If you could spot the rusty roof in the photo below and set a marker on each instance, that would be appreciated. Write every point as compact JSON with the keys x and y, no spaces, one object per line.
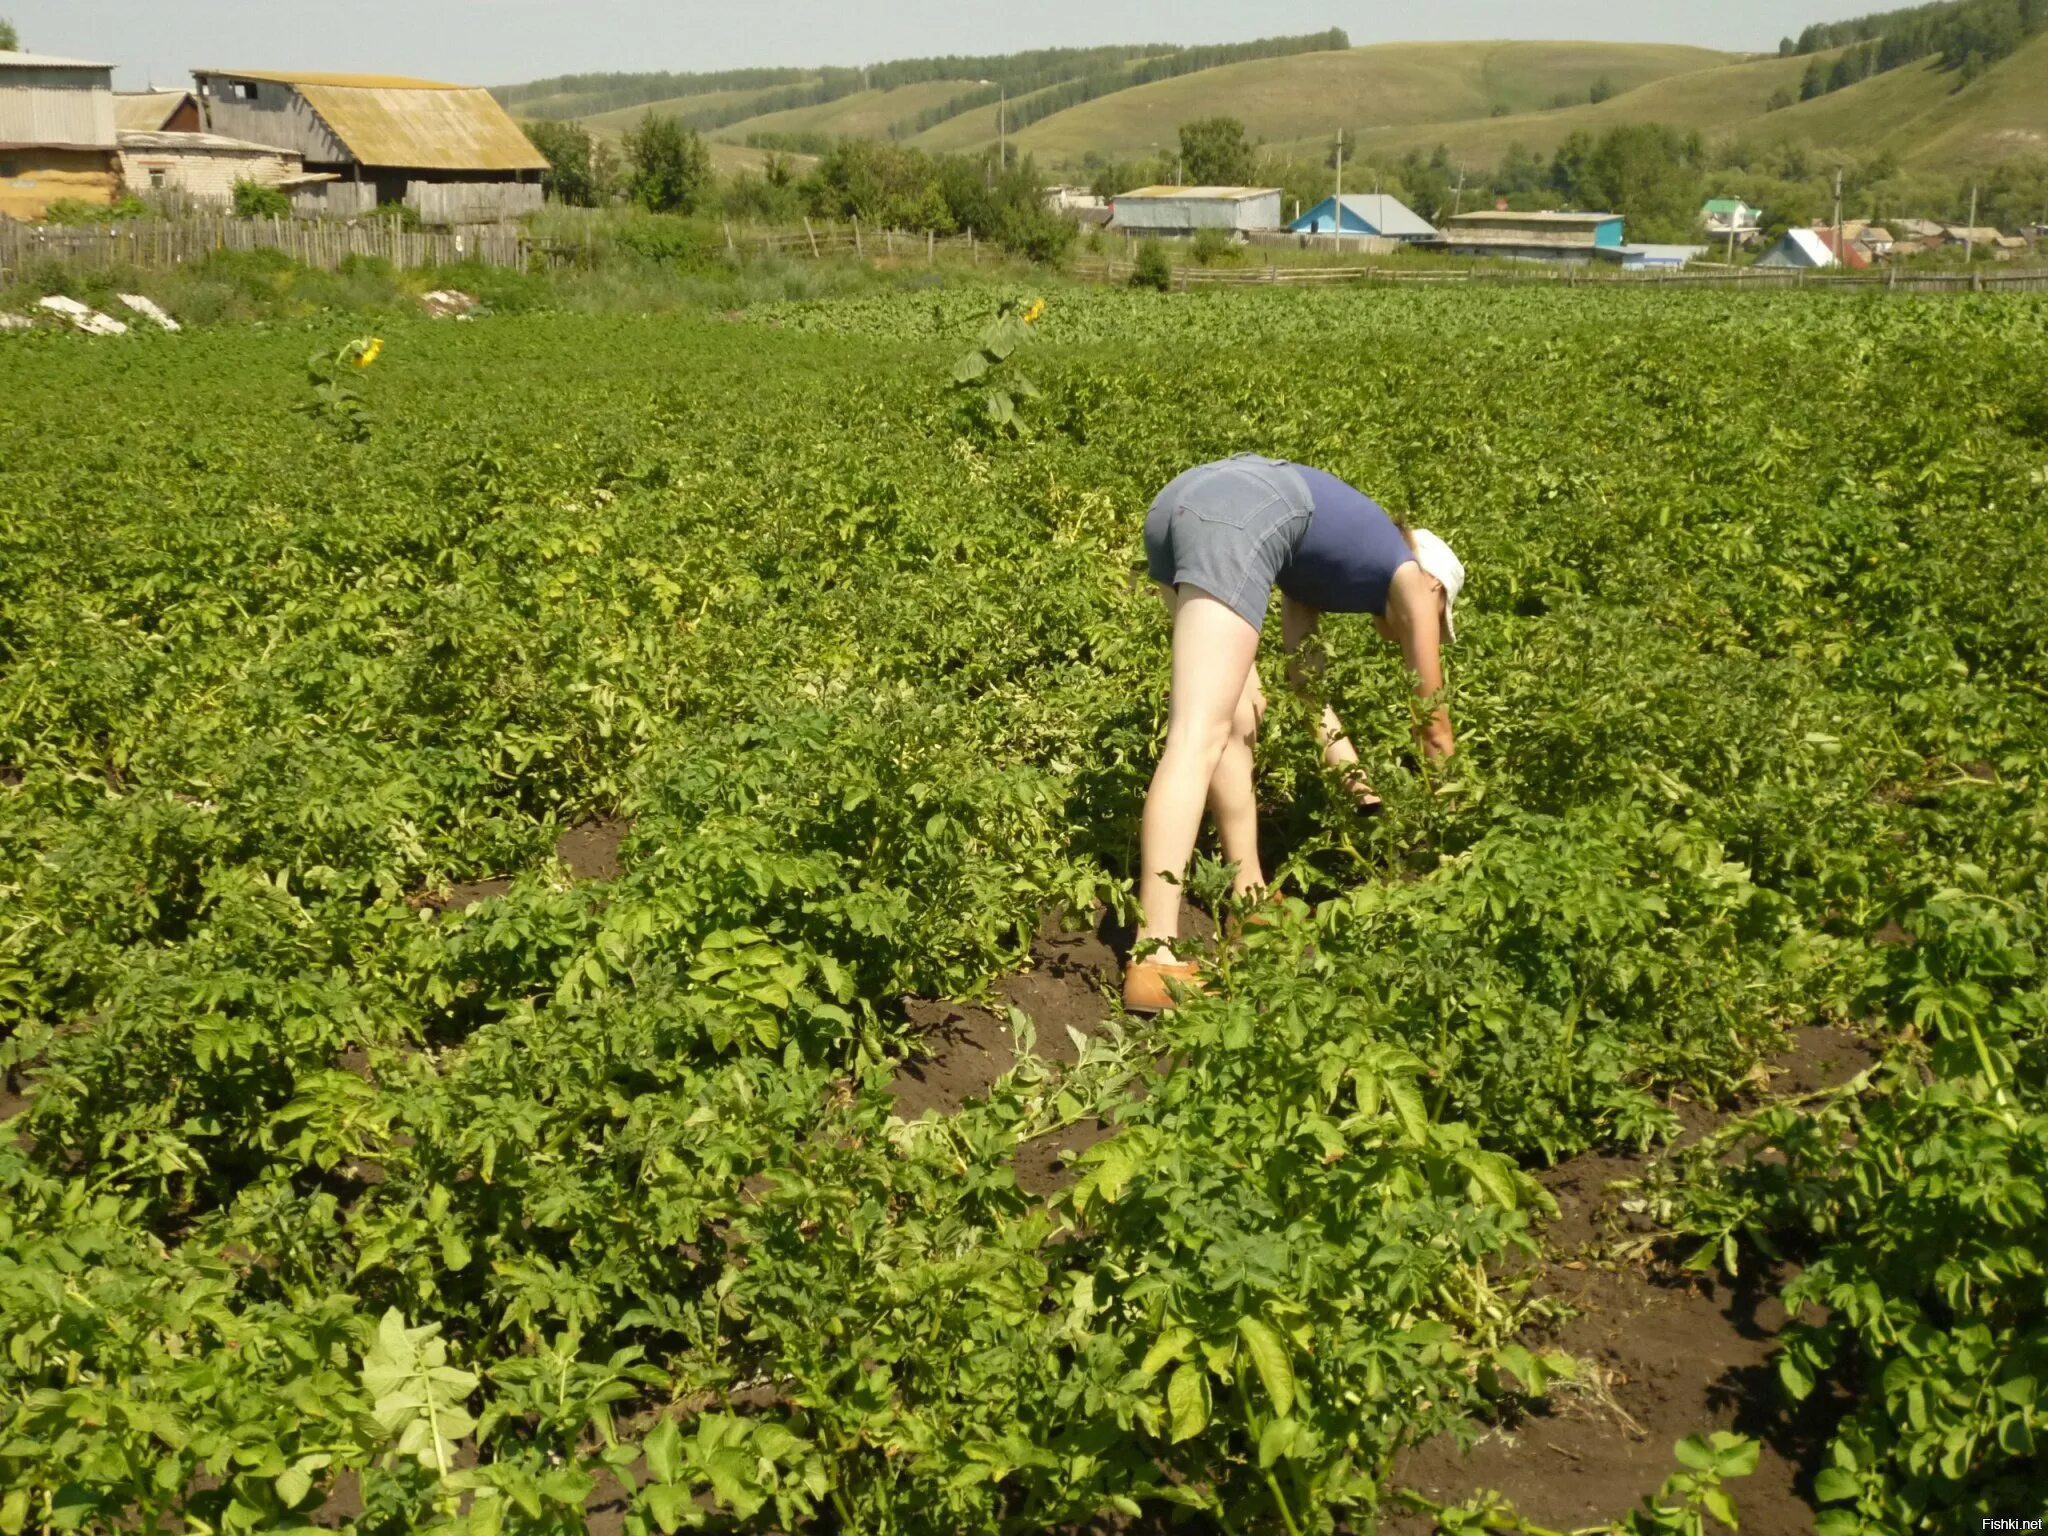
{"x":146,"y":111}
{"x":390,"y":120}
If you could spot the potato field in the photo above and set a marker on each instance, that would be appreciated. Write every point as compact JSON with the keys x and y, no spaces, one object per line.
{"x":506,"y":841}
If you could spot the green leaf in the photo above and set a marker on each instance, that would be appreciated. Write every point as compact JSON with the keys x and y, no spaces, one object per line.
{"x":663,"y":1449}
{"x":1187,"y":1401}
{"x":1407,"y":1101}
{"x":292,"y":1485}
{"x":1270,"y":1359}
{"x":1169,"y":1346}
{"x":1797,"y":1379}
{"x":1831,"y":1485}
{"x":1694,"y":1452}
{"x":1720,"y":1506}
{"x":968,"y":369}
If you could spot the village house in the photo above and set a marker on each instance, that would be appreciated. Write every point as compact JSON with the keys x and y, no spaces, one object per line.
{"x":1546,"y":236}
{"x":1730,"y":215}
{"x":1799,"y":248}
{"x":448,"y":152}
{"x":57,"y":139}
{"x":1365,"y":213}
{"x":1187,"y":210}
{"x":203,"y":168}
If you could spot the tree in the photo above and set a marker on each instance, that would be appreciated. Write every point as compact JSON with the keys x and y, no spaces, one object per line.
{"x":10,"y":40}
{"x":1600,"y":90}
{"x":567,"y":147}
{"x":671,"y":166}
{"x":1814,"y":82}
{"x":1786,"y":47}
{"x":1780,"y":100}
{"x":1215,"y":153}
{"x":1643,"y":170}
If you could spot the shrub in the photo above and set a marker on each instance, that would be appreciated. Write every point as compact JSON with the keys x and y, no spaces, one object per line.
{"x":1215,"y":245}
{"x":1154,"y":268}
{"x":254,"y":200}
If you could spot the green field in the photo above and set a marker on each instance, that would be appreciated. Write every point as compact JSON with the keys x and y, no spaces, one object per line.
{"x":378,"y":1157}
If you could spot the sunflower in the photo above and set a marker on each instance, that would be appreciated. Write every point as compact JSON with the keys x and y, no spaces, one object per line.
{"x":368,"y":351}
{"x":1037,"y":308}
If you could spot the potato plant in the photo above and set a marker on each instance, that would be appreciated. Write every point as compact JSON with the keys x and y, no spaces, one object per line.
{"x":332,"y":1200}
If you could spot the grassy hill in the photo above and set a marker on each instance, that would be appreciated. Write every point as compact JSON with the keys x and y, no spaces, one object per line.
{"x":1476,"y":98}
{"x":1310,"y":96}
{"x":863,"y":115}
{"x":614,"y":124}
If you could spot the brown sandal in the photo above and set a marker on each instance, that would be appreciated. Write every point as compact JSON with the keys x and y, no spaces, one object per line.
{"x":1149,"y":985}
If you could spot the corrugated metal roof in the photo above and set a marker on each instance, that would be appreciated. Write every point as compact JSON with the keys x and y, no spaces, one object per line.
{"x":1547,"y":216}
{"x":1211,"y":194}
{"x":387,"y":120}
{"x":198,"y":142}
{"x":11,"y":60}
{"x":145,"y":111}
{"x":320,"y":77}
{"x":55,"y":105}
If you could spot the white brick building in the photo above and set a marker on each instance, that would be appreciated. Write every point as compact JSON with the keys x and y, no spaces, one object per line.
{"x":203,"y":167}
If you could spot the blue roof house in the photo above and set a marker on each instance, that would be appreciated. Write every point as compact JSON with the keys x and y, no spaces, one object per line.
{"x":1364,"y":213}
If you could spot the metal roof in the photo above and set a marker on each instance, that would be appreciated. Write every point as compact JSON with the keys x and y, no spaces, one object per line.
{"x":10,"y":60}
{"x":1547,"y":216}
{"x":388,"y":120}
{"x":1207,"y":194}
{"x":328,"y":77}
{"x":193,"y":142}
{"x":1382,"y":210}
{"x":146,"y":111}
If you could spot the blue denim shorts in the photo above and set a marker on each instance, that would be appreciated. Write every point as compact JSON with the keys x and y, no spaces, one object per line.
{"x":1230,"y":529}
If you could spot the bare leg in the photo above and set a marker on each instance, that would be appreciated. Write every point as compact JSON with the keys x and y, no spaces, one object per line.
{"x":1213,"y":649}
{"x":1232,"y":800}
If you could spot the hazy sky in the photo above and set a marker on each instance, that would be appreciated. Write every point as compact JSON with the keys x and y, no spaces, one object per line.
{"x":492,"y":42}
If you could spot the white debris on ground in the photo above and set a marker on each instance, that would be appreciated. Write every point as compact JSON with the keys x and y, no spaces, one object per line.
{"x":444,"y":303}
{"x":86,"y":318}
{"x":16,"y":323}
{"x":149,"y":309}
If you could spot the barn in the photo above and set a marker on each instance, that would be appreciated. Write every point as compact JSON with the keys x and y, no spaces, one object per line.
{"x":57,"y":139}
{"x":1546,"y":236}
{"x":448,"y":152}
{"x":156,"y":112}
{"x":1187,"y":210}
{"x":1365,"y":213}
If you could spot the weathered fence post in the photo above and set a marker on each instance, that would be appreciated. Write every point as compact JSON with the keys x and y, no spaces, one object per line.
{"x":814,"y":237}
{"x":931,"y":247}
{"x":856,"y":237}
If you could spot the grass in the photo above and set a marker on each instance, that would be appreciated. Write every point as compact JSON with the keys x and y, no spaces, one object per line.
{"x":864,"y":114}
{"x":1308,"y":96}
{"x":616,"y":124}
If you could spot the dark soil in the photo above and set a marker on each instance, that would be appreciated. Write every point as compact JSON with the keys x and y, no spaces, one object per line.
{"x":965,"y":1049}
{"x":1667,"y":1355}
{"x":590,"y":850}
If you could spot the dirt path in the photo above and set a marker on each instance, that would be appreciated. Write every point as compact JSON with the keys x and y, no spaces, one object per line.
{"x":1668,"y":1355}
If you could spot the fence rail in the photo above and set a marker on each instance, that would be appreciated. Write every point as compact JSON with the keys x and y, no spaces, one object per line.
{"x":1893,"y":280}
{"x":166,"y":243}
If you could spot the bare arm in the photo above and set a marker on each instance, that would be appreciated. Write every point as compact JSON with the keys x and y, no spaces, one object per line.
{"x":1415,"y":615}
{"x":1304,"y":665}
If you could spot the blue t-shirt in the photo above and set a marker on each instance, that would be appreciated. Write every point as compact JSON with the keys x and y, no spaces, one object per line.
{"x":1346,"y":560}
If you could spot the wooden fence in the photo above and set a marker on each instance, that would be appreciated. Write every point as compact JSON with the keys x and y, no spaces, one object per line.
{"x":162,"y":244}
{"x":1892,"y":280}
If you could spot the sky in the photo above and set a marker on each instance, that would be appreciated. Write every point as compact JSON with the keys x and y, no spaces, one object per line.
{"x":497,"y":42}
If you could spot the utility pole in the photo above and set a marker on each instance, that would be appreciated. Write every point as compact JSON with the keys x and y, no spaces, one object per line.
{"x":1970,"y":229}
{"x":1841,"y":251}
{"x":1002,"y":126}
{"x":1458,"y":206}
{"x":1337,"y":203}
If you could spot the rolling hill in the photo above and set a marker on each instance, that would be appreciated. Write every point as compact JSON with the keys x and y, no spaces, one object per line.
{"x":1475,"y":98}
{"x":1309,"y":96}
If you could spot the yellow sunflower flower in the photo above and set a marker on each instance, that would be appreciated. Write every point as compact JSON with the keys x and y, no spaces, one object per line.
{"x":1037,"y":308}
{"x":370,"y":352}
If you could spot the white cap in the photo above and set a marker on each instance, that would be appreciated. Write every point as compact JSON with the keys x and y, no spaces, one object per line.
{"x":1435,"y":557}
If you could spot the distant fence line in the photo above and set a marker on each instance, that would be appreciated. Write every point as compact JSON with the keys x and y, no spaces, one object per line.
{"x":1556,"y":274}
{"x":163,"y":244}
